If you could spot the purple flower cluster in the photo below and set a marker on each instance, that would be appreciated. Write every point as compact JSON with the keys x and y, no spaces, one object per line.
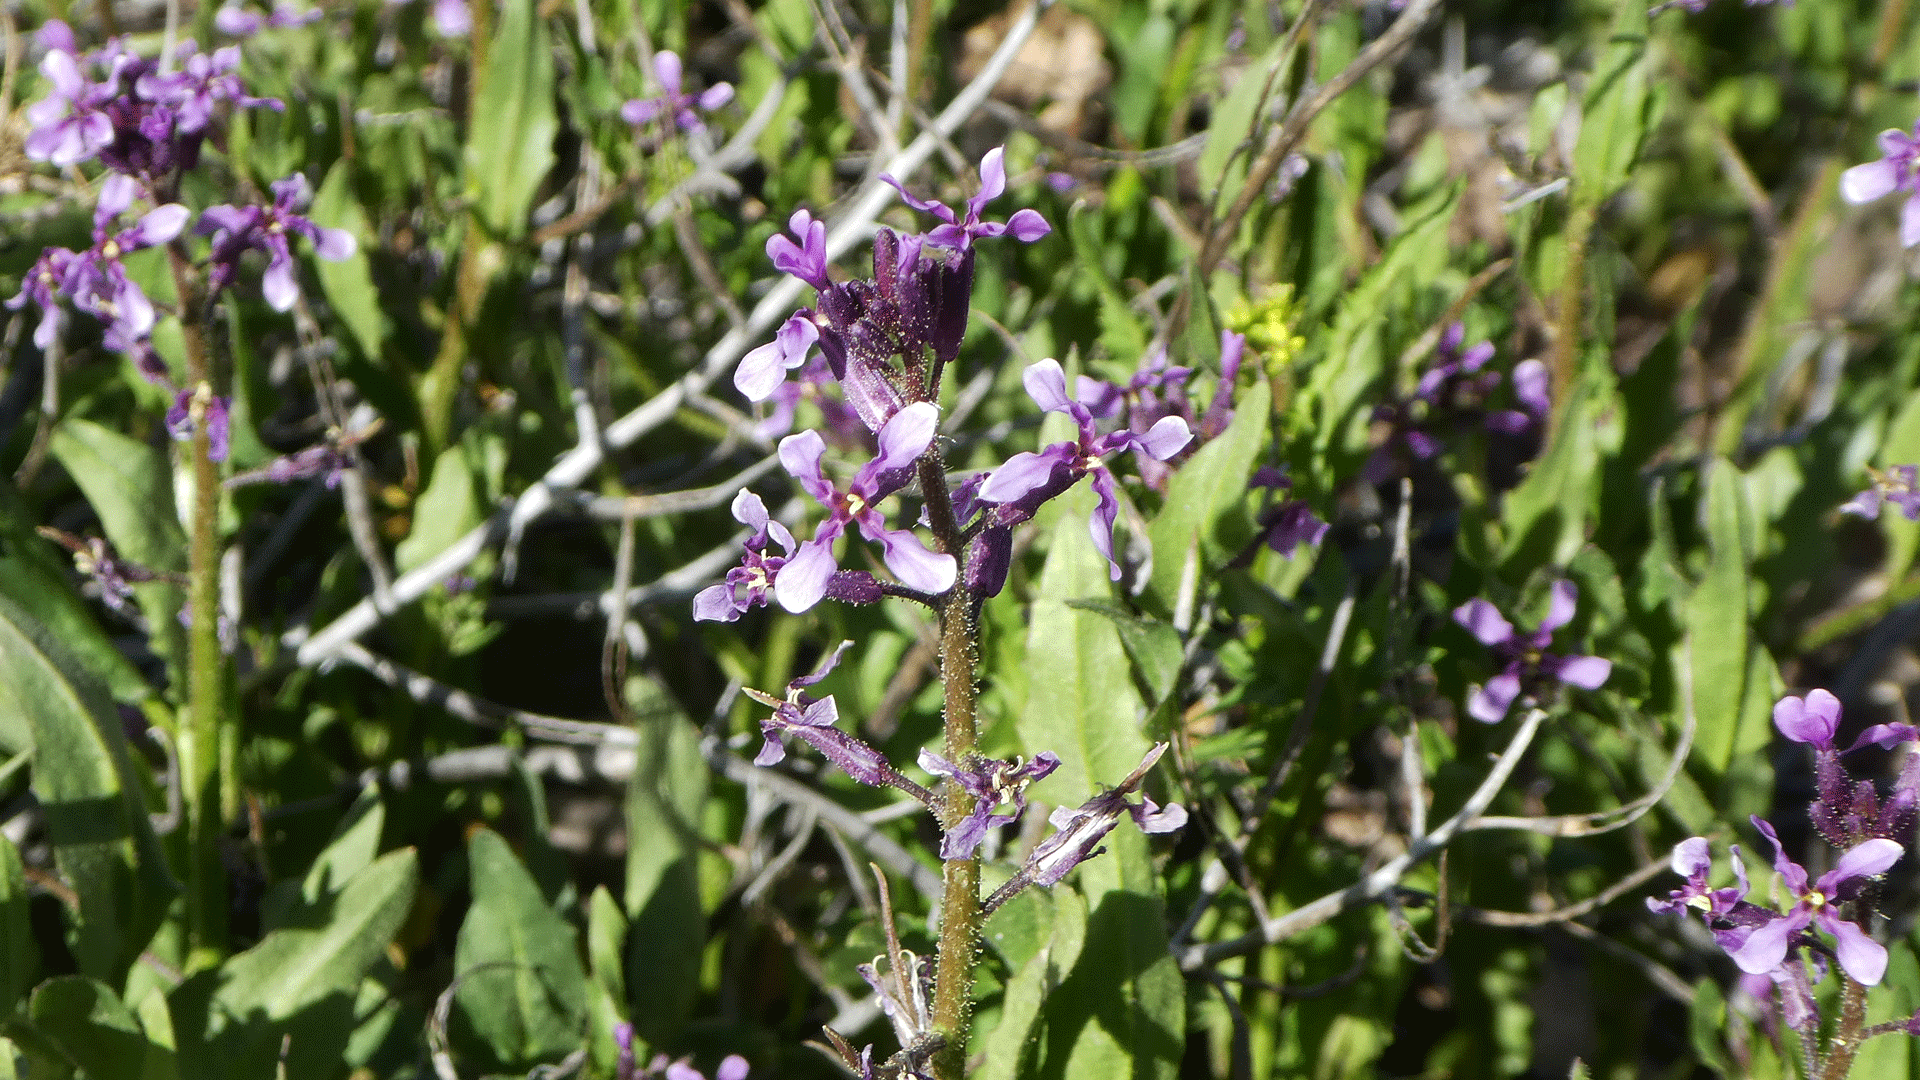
{"x":236,"y":21}
{"x":672,"y":100}
{"x":1827,"y":917}
{"x":237,"y":230}
{"x":732,"y":1067}
{"x":1899,"y":485}
{"x":1452,"y":396}
{"x":1527,"y":667}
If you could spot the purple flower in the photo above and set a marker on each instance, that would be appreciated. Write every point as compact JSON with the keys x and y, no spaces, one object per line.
{"x":958,"y":232}
{"x":95,"y":278}
{"x":112,"y":576}
{"x":806,"y":260}
{"x":1286,"y":525}
{"x":1693,"y":860}
{"x":732,"y":1067}
{"x":666,"y":66}
{"x":204,"y":82}
{"x":70,"y":124}
{"x":814,"y":722}
{"x":991,"y":782}
{"x":1054,"y":469}
{"x":1526,"y":660}
{"x":1898,"y":485}
{"x":1812,"y":720}
{"x":1862,"y":957}
{"x":749,"y":585}
{"x":236,"y":21}
{"x":1079,"y":831}
{"x":239,"y":229}
{"x":1453,"y":395}
{"x":42,"y":287}
{"x":194,"y":407}
{"x":1897,"y":170}
{"x":902,"y":440}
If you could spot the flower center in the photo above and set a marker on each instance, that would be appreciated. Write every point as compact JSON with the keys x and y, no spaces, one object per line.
{"x":855,"y":504}
{"x":110,"y":250}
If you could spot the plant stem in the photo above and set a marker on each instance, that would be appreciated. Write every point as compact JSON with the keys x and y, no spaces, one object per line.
{"x":960,"y":914}
{"x":206,"y":682}
{"x":1846,"y":1039}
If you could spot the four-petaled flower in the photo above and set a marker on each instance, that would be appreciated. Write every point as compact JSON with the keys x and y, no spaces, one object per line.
{"x":1054,"y":469}
{"x":814,"y":721}
{"x":1860,"y":956}
{"x":1899,"y":485}
{"x":95,"y":278}
{"x":70,"y":124}
{"x":1288,"y":523}
{"x":1813,"y":720}
{"x":750,"y":584}
{"x":42,"y":287}
{"x":990,"y":782}
{"x":666,"y":67}
{"x":960,"y":232}
{"x":1525,"y":657}
{"x":239,"y":229}
{"x":902,"y":440}
{"x":1897,"y":170}
{"x":194,"y":407}
{"x":1693,"y":860}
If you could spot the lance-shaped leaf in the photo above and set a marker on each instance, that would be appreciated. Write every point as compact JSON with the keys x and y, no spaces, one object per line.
{"x":521,"y":989}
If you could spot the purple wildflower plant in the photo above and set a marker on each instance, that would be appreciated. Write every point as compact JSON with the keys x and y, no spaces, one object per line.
{"x":1898,"y":170}
{"x":96,"y":280}
{"x":112,"y":577}
{"x":323,"y":460}
{"x":902,"y":440}
{"x":1846,"y":811}
{"x":42,"y":288}
{"x":1899,"y":485}
{"x":991,"y":783}
{"x":672,"y":100}
{"x":1451,"y":396}
{"x":957,"y":231}
{"x":237,"y":230}
{"x":70,"y":124}
{"x":192,"y":408}
{"x":234,"y":20}
{"x":1693,"y":860}
{"x":814,"y":721}
{"x":1527,"y":666}
{"x":1029,"y":475}
{"x":1079,"y":830}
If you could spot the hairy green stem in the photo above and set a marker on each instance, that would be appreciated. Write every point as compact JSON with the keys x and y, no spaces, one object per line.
{"x":960,"y":912}
{"x":1846,"y":1039}
{"x":200,"y":751}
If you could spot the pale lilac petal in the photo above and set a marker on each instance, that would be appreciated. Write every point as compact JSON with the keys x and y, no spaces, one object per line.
{"x":1910,"y":222}
{"x":732,"y":1067}
{"x":161,"y":224}
{"x":1167,"y":437}
{"x":1563,"y":599}
{"x":912,"y":563}
{"x":800,"y":455}
{"x":1792,"y":872}
{"x":1100,"y":522}
{"x":1862,"y":957}
{"x":1586,"y":672}
{"x":1023,"y":473}
{"x":1886,"y":736}
{"x":334,"y":245}
{"x":1766,"y":947}
{"x":771,"y":752}
{"x":750,"y":510}
{"x":1489,"y":704}
{"x":451,"y":18}
{"x":906,"y":436}
{"x":1157,"y":819}
{"x":1484,"y":622}
{"x":1865,"y":183}
{"x":760,"y":372}
{"x":715,"y":604}
{"x":1028,"y":226}
{"x":1530,"y":387}
{"x":117,"y":193}
{"x":1813,"y":719}
{"x":935,"y":765}
{"x":715,"y":96}
{"x":925,"y":206}
{"x":993,"y":181}
{"x":278,"y":285}
{"x":803,"y":580}
{"x":666,"y":67}
{"x":641,"y":111}
{"x":1047,"y":385}
{"x":1869,"y":859}
{"x":1692,"y":857}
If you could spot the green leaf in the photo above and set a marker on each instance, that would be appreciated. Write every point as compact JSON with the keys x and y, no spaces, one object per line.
{"x":130,"y":486}
{"x":1546,"y":516}
{"x":1901,"y":446}
{"x":1707,"y":1025}
{"x":1008,"y":1047}
{"x":446,"y":511}
{"x":667,"y":926}
{"x":521,"y":986}
{"x":19,"y":959}
{"x":43,"y":594}
{"x":96,"y":1032}
{"x":84,"y":780}
{"x":1153,"y":647}
{"x":1617,"y":114}
{"x":1120,"y":331}
{"x":1081,"y":703}
{"x":292,"y":969}
{"x":606,"y":937}
{"x":1206,"y":517}
{"x":510,"y":148}
{"x":348,"y":282}
{"x":1716,"y":615}
{"x":1232,"y":126}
